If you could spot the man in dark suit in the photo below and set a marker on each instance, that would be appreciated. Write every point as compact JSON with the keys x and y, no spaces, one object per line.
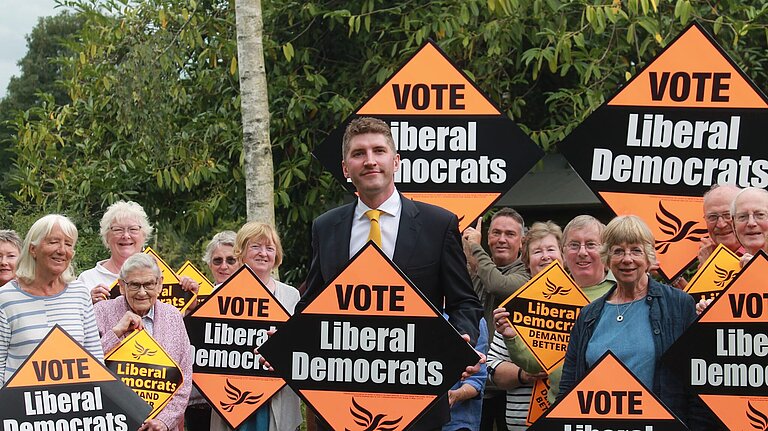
{"x":423,"y":240}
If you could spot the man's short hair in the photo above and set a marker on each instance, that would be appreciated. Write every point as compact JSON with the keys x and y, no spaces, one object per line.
{"x":509,"y":212}
{"x":363,"y":125}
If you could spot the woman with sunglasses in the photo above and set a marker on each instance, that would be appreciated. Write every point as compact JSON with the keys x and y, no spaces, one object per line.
{"x":220,"y":256}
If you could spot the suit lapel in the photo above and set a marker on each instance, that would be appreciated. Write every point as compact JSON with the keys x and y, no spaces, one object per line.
{"x":341,"y":230}
{"x":407,"y":232}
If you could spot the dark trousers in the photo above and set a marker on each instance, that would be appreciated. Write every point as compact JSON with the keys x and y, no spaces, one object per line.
{"x":494,"y":411}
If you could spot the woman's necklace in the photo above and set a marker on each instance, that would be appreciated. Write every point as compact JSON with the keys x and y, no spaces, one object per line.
{"x":620,"y":314}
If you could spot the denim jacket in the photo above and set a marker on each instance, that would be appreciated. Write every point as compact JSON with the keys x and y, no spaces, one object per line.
{"x":671,"y":312}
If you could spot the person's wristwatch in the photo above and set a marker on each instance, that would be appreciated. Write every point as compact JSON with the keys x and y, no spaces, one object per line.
{"x":491,"y":371}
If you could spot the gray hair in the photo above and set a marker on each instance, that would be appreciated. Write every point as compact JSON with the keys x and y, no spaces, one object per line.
{"x":582,"y":222}
{"x":226,"y":237}
{"x":140,"y":261}
{"x":11,"y":237}
{"x":25,"y":268}
{"x":122,"y":210}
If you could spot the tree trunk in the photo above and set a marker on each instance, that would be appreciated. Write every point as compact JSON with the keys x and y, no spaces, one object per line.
{"x":257,"y":149}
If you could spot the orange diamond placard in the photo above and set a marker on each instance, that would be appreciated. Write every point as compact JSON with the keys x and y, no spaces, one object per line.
{"x":722,"y":355}
{"x":609,"y":397}
{"x":191,"y":271}
{"x":62,"y":383}
{"x":143,"y":365}
{"x":687,"y":121}
{"x":543,"y":312}
{"x":457,"y":149}
{"x":225,"y":330}
{"x":370,"y":351}
{"x":714,"y":275}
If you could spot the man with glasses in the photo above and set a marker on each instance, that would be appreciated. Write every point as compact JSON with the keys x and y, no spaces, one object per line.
{"x":717,"y":215}
{"x":750,"y":219}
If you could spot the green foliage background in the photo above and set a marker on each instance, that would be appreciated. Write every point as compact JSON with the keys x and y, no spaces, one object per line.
{"x":145,"y":102}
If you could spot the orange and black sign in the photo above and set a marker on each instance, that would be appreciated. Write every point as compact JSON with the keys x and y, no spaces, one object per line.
{"x":171,"y":293}
{"x":143,"y":365}
{"x":688,"y":120}
{"x":191,"y":271}
{"x":714,"y":275}
{"x":224,"y":331}
{"x":539,"y":401}
{"x":61,"y":386}
{"x":609,"y":397}
{"x":370,"y":352}
{"x":723,"y":355}
{"x":457,"y":149}
{"x":543,"y":313}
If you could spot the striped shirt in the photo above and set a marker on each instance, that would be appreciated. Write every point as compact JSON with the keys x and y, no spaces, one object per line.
{"x":519,"y":398}
{"x":26,"y":319}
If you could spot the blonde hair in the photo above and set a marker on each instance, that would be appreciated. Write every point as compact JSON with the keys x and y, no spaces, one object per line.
{"x":255,"y":231}
{"x":628,"y":229}
{"x":538,"y":231}
{"x":26,"y":266}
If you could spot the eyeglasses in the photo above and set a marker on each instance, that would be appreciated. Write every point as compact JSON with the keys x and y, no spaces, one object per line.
{"x":757,"y":215}
{"x":270,"y":249}
{"x":120,"y":230}
{"x":576,"y":246}
{"x":135,"y":287}
{"x":714,"y":217}
{"x":219,"y":260}
{"x":619,"y":253}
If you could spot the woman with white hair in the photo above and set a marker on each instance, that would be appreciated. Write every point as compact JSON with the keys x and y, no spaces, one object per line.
{"x":44,"y":293}
{"x":138,"y":308}
{"x":10,"y":249}
{"x":220,"y":256}
{"x":124,"y":230}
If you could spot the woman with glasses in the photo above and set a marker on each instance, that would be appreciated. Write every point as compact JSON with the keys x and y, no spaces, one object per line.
{"x":258,"y":246}
{"x":44,"y":294}
{"x":638,"y":319}
{"x":124,"y":230}
{"x":137,"y":307}
{"x":220,"y":256}
{"x":581,"y":255}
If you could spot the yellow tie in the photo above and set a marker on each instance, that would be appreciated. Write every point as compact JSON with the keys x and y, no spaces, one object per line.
{"x":375,"y":232}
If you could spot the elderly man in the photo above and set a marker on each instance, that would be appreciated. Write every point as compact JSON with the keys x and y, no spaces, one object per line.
{"x":750,"y":219}
{"x":717,"y":215}
{"x":494,"y":278}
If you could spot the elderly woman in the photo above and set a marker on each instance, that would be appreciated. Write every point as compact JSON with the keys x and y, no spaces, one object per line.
{"x":124,"y":231}
{"x":10,"y":248}
{"x":220,"y":256}
{"x":581,"y":252}
{"x":637,"y":320}
{"x":541,"y":247}
{"x":258,"y":246}
{"x":140,"y":281}
{"x":45,"y":293}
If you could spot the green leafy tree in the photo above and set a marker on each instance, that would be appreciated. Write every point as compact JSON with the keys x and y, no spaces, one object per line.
{"x":155,"y":102}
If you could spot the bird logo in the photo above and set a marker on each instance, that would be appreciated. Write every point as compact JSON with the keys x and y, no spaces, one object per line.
{"x":724,"y":276}
{"x":757,"y":419}
{"x":141,"y":351}
{"x":671,"y":225}
{"x":238,"y":397}
{"x":369,"y":422}
{"x":553,"y":289}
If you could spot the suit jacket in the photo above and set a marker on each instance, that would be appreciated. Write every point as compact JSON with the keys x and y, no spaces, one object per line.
{"x":428,"y":250}
{"x":169,"y":331}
